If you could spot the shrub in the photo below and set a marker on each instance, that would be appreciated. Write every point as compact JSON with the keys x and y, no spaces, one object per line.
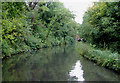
{"x":104,"y":58}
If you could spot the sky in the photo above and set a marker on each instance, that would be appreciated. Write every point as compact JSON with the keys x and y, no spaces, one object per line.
{"x":78,"y":7}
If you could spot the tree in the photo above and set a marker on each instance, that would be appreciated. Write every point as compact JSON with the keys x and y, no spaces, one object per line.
{"x":104,"y":20}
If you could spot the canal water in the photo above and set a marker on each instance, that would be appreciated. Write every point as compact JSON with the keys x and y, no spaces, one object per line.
{"x":54,"y":64}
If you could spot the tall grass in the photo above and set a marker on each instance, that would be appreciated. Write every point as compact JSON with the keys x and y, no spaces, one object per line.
{"x":104,"y":58}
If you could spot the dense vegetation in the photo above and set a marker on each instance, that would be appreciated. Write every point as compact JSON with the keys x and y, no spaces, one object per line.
{"x":101,"y":25}
{"x":104,"y":58}
{"x":101,"y":29}
{"x":33,"y":25}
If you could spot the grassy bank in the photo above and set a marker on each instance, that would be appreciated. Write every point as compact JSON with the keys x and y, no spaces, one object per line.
{"x":104,"y":58}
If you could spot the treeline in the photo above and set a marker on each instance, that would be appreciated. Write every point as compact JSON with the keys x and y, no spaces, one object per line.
{"x":101,"y":25}
{"x":101,"y":29}
{"x":33,"y":25}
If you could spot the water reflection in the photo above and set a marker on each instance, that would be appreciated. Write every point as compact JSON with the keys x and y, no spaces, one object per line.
{"x":54,"y":64}
{"x":93,"y":72}
{"x":51,"y":64}
{"x":77,"y":72}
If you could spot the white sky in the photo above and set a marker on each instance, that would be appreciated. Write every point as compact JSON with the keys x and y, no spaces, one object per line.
{"x":78,"y":7}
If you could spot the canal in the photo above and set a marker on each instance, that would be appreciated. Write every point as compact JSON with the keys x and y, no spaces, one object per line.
{"x":54,"y":64}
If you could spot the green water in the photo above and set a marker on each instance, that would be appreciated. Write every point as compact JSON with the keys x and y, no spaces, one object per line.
{"x":54,"y":64}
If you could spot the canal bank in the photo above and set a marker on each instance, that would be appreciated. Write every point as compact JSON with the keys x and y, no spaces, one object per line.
{"x":104,"y":58}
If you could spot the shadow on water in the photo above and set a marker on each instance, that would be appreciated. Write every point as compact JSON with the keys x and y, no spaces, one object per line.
{"x":45,"y":64}
{"x":93,"y":72}
{"x":54,"y":64}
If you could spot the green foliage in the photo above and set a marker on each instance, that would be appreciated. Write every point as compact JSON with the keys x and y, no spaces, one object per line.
{"x":101,"y":25}
{"x":12,"y":9}
{"x":13,"y":34}
{"x":5,"y":48}
{"x":104,"y":58}
{"x":35,"y":25}
{"x":33,"y":42}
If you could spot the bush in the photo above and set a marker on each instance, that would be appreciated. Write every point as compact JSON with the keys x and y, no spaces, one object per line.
{"x":104,"y":58}
{"x":33,"y":42}
{"x":101,"y":25}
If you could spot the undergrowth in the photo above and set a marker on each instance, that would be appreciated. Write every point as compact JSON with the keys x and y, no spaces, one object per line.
{"x":104,"y":58}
